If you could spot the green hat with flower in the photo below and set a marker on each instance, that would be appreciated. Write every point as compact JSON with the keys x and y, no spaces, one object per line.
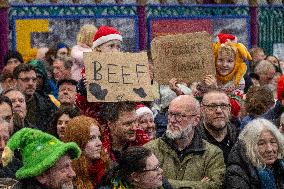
{"x":39,"y":151}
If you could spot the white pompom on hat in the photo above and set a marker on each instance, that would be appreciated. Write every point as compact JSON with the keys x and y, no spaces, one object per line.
{"x":144,"y":110}
{"x":105,"y":34}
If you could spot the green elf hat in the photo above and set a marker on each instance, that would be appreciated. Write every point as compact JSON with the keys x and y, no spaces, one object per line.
{"x":39,"y":151}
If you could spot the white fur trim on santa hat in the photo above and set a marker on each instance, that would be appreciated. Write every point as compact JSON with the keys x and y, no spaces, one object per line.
{"x":105,"y":39}
{"x":144,"y":110}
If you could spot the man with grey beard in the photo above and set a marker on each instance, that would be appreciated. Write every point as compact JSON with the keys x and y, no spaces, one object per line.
{"x":188,"y":161}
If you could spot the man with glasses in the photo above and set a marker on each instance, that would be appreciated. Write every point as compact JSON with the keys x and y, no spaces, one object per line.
{"x":188,"y":161}
{"x":215,"y":125}
{"x":39,"y":108}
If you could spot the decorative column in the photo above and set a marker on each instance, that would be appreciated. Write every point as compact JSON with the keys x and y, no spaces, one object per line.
{"x":4,"y":33}
{"x":253,"y":24}
{"x":141,"y":10}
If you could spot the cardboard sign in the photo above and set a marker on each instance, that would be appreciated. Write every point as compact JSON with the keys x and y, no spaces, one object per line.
{"x":187,"y":57}
{"x":4,"y":3}
{"x":115,"y":77}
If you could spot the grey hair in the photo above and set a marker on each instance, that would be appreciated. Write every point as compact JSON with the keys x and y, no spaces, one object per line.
{"x":250,"y":137}
{"x":263,"y":66}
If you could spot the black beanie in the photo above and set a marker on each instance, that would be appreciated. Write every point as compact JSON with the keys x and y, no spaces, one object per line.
{"x":12,"y":54}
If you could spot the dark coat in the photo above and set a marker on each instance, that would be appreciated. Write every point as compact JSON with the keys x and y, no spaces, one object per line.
{"x":31,"y":183}
{"x":231,"y":139}
{"x":274,"y":114}
{"x":10,"y":170}
{"x":45,"y":111}
{"x":110,"y":185}
{"x":161,"y":122}
{"x":241,"y":174}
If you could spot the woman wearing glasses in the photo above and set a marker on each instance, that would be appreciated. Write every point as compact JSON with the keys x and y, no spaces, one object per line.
{"x":138,"y":168}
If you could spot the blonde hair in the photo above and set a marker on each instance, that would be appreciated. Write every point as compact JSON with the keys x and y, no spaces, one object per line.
{"x":250,"y":137}
{"x":228,"y":50}
{"x":86,"y":34}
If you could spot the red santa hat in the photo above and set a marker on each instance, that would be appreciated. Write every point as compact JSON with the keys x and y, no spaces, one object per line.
{"x":105,"y":34}
{"x":224,"y":37}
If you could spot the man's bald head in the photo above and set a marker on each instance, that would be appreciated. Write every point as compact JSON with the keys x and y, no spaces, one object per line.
{"x":187,"y":103}
{"x":207,"y":96}
{"x":183,"y":117}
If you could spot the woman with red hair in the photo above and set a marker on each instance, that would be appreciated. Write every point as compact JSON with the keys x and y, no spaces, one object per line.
{"x":90,"y":167}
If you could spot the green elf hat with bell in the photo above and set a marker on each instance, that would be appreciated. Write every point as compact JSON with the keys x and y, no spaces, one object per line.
{"x":39,"y":151}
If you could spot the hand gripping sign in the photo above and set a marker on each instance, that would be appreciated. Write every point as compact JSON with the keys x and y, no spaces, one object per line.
{"x":117,"y":77}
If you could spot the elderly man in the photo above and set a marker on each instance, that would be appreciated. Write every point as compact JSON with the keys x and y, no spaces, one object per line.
{"x":215,"y":126}
{"x":19,"y":108}
{"x":187,"y":160}
{"x":67,"y":92}
{"x":266,"y":71}
{"x":46,"y":160}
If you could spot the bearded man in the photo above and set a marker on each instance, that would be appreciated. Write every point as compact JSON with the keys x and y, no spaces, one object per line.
{"x":216,"y":127}
{"x":187,"y":160}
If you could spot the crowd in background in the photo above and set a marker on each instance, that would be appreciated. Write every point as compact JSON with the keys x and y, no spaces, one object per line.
{"x":225,"y":131}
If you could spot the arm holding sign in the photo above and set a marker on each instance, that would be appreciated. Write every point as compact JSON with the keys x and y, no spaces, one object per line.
{"x":173,"y":86}
{"x":90,"y":109}
{"x":179,"y":88}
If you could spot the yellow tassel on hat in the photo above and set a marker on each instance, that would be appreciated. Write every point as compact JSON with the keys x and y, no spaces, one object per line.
{"x":7,"y":156}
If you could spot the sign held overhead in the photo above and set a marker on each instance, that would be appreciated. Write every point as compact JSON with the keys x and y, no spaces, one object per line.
{"x":187,"y":57}
{"x":115,"y":77}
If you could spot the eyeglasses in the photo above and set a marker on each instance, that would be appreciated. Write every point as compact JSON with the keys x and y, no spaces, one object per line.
{"x":27,"y":79}
{"x":156,"y":168}
{"x":216,"y":106}
{"x":179,"y":116}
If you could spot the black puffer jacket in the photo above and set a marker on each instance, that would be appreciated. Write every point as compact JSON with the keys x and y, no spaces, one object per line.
{"x":241,"y":174}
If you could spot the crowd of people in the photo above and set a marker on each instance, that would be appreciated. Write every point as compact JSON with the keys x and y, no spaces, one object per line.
{"x":225,"y":131}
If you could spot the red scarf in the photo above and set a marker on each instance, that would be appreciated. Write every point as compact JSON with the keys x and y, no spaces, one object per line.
{"x":96,"y":172}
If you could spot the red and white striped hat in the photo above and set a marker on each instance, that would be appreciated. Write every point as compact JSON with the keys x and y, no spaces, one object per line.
{"x":105,"y":34}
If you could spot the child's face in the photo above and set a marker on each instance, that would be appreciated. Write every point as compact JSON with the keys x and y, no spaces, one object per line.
{"x":225,"y":62}
{"x":110,"y":46}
